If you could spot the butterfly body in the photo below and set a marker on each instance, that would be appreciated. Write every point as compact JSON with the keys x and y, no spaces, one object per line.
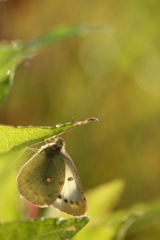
{"x":51,"y":178}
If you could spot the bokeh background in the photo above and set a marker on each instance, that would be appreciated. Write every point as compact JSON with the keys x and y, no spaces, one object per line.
{"x":114,"y":76}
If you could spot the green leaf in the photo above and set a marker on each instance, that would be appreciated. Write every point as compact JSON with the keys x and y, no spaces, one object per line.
{"x":18,"y":137}
{"x":144,"y":218}
{"x":105,"y":196}
{"x":141,"y":221}
{"x":10,"y":208}
{"x":15,"y":52}
{"x":134,"y":221}
{"x":43,"y":229}
{"x":10,"y":55}
{"x":101,"y":201}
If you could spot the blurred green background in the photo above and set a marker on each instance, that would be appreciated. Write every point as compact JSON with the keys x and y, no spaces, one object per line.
{"x":113,"y":76}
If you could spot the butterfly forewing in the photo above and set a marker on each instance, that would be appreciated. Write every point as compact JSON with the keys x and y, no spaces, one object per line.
{"x":41,"y":179}
{"x":71,"y":199}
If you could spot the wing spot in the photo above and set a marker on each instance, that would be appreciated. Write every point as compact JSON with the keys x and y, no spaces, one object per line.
{"x":59,"y":196}
{"x":70,"y":178}
{"x":66,"y":200}
{"x":61,"y":183}
{"x":49,"y":180}
{"x":71,"y":202}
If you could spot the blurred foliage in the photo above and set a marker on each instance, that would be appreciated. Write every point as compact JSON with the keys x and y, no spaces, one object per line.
{"x":13,"y":53}
{"x":46,"y":229}
{"x":114,"y":77}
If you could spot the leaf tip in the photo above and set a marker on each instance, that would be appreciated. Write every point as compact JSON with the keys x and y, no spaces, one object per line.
{"x":91,"y":119}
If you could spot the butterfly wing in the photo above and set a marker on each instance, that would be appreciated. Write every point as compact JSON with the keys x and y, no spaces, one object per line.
{"x":41,"y":179}
{"x":71,"y":200}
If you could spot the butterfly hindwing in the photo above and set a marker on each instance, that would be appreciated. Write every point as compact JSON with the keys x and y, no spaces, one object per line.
{"x":41,"y":179}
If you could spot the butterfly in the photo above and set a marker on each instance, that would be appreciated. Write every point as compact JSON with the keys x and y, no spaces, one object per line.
{"x":50,"y":178}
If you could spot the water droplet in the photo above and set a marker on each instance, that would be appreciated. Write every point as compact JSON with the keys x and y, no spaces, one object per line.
{"x":59,"y":221}
{"x":79,"y":219}
{"x":68,"y":123}
{"x":16,"y":44}
{"x":59,"y":125}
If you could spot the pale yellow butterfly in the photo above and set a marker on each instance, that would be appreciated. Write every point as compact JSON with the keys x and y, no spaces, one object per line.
{"x":51,"y":178}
